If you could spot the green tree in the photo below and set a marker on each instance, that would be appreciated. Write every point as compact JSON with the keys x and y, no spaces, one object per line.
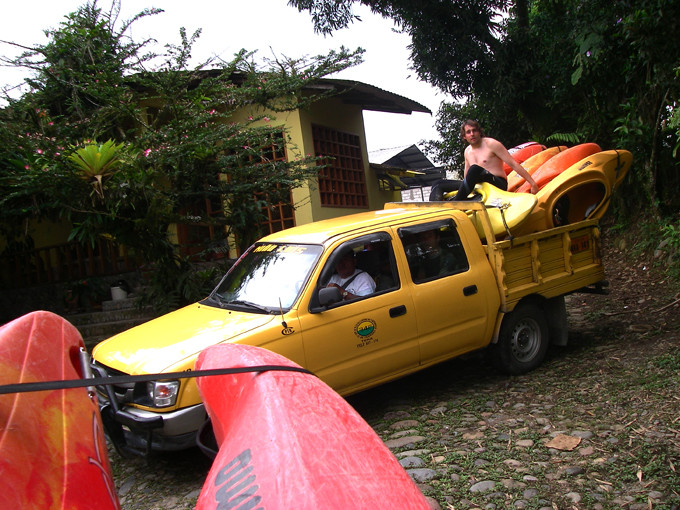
{"x":175,"y":140}
{"x":600,"y":71}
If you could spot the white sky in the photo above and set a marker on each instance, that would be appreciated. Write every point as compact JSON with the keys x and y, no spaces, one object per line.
{"x":228,"y":26}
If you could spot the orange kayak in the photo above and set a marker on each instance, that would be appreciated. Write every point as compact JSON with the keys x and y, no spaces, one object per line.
{"x":287,"y":440}
{"x":581,"y":192}
{"x":531,"y":165}
{"x":558,"y":163}
{"x":52,"y":448}
{"x":522,"y":152}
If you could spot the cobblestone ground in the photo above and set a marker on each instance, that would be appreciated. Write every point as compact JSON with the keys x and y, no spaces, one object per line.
{"x":596,"y":427}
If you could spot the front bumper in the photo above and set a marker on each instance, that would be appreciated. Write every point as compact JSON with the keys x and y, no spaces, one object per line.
{"x":135,"y":431}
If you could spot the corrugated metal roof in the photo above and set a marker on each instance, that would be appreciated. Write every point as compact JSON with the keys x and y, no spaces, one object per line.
{"x":370,"y":97}
{"x":353,"y":92}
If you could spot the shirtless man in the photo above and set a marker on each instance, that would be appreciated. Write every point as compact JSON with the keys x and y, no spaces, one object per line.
{"x":484,"y":158}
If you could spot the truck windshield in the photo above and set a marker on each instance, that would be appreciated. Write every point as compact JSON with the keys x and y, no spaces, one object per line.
{"x":268,"y":278}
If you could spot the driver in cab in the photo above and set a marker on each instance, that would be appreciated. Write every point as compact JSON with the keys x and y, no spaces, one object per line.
{"x":351,"y":281}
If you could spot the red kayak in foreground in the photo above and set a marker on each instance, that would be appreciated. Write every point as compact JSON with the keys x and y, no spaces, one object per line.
{"x":52,"y":448}
{"x":287,"y":440}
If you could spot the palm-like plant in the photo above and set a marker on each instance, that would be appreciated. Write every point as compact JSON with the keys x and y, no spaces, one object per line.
{"x":97,"y":161}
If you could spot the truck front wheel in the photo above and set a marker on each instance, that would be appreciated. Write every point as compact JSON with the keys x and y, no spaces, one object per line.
{"x":523,"y":340}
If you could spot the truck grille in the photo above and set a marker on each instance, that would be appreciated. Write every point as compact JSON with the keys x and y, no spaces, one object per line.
{"x":124,"y":393}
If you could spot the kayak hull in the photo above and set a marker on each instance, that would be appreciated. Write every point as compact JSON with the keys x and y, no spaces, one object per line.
{"x":531,"y":165}
{"x":581,"y":192}
{"x":287,"y":440}
{"x":514,"y":209}
{"x":522,"y":152}
{"x":52,"y":447}
{"x":559,"y":163}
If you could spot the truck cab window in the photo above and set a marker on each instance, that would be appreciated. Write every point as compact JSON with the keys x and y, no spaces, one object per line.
{"x":361,"y":267}
{"x":433,"y":251}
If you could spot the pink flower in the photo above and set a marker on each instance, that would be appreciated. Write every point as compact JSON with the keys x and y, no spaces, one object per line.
{"x":39,"y":151}
{"x":147,"y":152}
{"x":27,"y":167}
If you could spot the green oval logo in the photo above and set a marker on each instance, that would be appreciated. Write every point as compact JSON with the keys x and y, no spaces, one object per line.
{"x":365,"y":328}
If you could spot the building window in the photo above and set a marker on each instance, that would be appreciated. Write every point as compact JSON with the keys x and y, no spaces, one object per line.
{"x":207,"y":238}
{"x":342,"y":181}
{"x":202,"y":239}
{"x":279,"y":216}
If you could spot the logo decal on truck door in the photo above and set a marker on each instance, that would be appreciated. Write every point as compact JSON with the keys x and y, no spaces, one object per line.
{"x":364,"y":328}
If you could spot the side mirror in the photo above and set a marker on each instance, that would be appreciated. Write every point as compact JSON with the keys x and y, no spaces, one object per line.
{"x":329,"y":296}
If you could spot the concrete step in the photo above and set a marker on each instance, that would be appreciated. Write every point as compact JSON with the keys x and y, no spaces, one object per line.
{"x":113,"y":318}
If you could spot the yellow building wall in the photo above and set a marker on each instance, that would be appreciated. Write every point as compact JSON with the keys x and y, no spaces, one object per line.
{"x":44,"y":233}
{"x":335,"y":114}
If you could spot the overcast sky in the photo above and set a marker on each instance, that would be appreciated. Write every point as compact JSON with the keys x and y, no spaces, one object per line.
{"x":263,"y":25}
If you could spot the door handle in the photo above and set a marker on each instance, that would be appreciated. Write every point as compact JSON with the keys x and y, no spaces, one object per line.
{"x":397,"y":311}
{"x":469,"y":290}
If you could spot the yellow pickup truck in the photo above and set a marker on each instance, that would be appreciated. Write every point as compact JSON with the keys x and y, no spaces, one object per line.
{"x":424,"y":287}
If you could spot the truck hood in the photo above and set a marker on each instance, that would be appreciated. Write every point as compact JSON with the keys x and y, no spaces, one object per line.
{"x":161,"y":344}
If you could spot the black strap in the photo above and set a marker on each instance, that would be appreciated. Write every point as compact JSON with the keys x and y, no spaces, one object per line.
{"x":346,"y":284}
{"x":125,"y":379}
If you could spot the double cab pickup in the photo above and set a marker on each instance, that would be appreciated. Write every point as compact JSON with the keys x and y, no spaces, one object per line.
{"x":428,"y":288}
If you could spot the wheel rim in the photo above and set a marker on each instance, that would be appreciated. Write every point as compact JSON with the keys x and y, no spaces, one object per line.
{"x":525,"y":341}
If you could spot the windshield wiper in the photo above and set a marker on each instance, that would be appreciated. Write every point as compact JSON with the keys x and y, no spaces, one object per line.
{"x":215,"y":298}
{"x":249,"y":304}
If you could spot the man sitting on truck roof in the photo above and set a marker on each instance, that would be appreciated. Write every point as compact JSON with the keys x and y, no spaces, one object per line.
{"x":351,"y":281}
{"x":484,"y":158}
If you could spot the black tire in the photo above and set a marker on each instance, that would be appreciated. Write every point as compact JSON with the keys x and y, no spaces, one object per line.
{"x":523,"y":340}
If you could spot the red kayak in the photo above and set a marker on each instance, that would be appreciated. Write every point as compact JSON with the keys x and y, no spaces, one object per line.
{"x":523,"y":152}
{"x":531,"y":165}
{"x":558,"y":163}
{"x":287,"y":440}
{"x":52,"y":448}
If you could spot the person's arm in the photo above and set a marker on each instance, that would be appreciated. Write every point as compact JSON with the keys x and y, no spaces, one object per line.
{"x":467,"y":163}
{"x":503,"y":154}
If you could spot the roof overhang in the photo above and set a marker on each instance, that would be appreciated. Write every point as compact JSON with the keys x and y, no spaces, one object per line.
{"x":369,"y":97}
{"x":352,"y":92}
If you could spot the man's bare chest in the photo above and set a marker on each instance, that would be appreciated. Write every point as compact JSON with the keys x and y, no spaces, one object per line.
{"x":483,"y":157}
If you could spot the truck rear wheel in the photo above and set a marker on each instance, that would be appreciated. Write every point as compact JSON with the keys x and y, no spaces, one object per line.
{"x":523,"y":340}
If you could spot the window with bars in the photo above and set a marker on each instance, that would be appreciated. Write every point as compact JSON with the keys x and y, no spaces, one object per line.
{"x":279,"y":216}
{"x":342,"y":181}
{"x":195,"y":237}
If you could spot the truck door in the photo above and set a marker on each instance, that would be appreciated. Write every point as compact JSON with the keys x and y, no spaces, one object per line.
{"x":450,"y":293}
{"x":361,"y":340}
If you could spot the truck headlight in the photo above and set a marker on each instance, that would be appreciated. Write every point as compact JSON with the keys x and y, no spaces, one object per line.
{"x":163,"y":393}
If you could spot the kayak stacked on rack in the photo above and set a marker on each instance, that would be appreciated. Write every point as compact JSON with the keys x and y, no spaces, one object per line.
{"x":575,"y":184}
